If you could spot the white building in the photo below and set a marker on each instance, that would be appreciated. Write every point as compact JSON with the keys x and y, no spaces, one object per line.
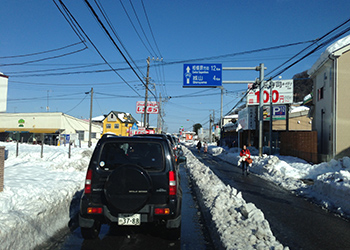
{"x":48,"y":127}
{"x":331,"y":116}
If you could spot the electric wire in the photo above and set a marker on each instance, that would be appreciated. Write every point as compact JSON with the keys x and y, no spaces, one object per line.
{"x":143,"y":31}
{"x":127,"y":14}
{"x":42,"y":52}
{"x":111,"y":38}
{"x":100,"y":54}
{"x":43,"y":59}
{"x":150,"y":28}
{"x":76,"y":105}
{"x":104,"y":14}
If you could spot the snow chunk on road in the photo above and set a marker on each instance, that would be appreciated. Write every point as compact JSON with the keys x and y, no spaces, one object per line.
{"x":240,"y":225}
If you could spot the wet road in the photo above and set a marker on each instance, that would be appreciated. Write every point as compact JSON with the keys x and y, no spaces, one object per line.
{"x":193,"y":233}
{"x":295,"y":222}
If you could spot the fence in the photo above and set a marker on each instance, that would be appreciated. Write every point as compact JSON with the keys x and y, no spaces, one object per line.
{"x":301,"y":144}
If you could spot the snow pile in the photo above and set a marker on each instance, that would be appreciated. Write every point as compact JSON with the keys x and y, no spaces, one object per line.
{"x":240,"y":225}
{"x":38,"y":192}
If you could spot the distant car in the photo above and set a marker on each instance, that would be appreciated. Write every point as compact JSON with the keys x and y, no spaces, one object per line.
{"x":131,"y":181}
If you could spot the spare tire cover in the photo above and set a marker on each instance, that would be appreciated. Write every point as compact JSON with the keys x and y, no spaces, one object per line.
{"x":128,"y":188}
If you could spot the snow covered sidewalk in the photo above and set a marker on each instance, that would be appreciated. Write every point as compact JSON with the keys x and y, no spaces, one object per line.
{"x":37,"y":194}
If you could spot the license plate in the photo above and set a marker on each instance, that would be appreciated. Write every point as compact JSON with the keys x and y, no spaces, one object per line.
{"x":129,"y":219}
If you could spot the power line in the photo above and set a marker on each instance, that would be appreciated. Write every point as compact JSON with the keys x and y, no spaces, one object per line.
{"x":143,"y":31}
{"x":103,"y":58}
{"x":127,"y":14}
{"x":44,"y":59}
{"x":42,"y":52}
{"x":111,"y":38}
{"x":150,"y":28}
{"x":104,"y":14}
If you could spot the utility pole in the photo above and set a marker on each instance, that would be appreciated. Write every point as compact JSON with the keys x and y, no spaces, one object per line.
{"x":159,"y":121}
{"x":210,"y":128}
{"x":261,"y":107}
{"x":146,"y":95}
{"x":90,"y":122}
{"x":221,"y":107}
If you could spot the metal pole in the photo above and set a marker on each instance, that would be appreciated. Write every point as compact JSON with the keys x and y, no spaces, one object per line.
{"x":271,"y":117}
{"x":146,"y":95}
{"x":261,"y":103}
{"x":221,"y":106}
{"x":90,"y":122}
{"x":210,"y":128}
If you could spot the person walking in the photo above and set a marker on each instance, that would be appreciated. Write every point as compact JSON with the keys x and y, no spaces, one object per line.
{"x":245,"y":155}
{"x":205,"y":147}
{"x":199,"y":145}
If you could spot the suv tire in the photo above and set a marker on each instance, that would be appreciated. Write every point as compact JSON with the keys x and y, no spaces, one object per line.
{"x":128,"y":188}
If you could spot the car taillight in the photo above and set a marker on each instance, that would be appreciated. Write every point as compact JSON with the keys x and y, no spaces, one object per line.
{"x":88,"y":182}
{"x":172,"y":183}
{"x":161,"y":211}
{"x":94,"y":210}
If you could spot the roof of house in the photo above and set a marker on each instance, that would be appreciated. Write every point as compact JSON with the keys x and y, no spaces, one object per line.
{"x":124,"y":117}
{"x":338,"y":45}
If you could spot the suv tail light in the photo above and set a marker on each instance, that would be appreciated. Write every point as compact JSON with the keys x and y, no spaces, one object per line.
{"x":172,"y":183}
{"x":88,"y":182}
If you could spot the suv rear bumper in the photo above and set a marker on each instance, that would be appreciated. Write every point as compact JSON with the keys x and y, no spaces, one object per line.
{"x":172,"y":220}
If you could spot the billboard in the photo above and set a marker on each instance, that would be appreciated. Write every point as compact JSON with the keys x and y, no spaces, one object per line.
{"x":247,"y":118}
{"x":3,"y":92}
{"x":282,"y":93}
{"x":202,"y":75}
{"x":152,"y":107}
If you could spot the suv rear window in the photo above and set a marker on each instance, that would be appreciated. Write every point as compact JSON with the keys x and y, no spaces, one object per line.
{"x":148,"y":155}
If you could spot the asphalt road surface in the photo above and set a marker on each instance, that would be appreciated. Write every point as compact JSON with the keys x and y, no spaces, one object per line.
{"x":295,"y":221}
{"x":194,"y":234}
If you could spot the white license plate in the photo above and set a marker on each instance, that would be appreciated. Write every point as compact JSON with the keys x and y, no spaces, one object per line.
{"x":129,"y":219}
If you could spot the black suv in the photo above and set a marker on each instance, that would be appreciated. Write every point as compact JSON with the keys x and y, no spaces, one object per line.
{"x":131,"y":181}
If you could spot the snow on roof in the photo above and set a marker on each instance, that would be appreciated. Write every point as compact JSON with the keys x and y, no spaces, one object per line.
{"x":98,"y":118}
{"x":298,"y":109}
{"x":330,"y":50}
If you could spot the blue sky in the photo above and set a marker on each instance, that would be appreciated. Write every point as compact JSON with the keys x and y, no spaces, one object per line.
{"x":183,"y":30}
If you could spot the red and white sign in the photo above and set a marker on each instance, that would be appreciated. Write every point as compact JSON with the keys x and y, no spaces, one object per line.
{"x":143,"y":131}
{"x":282,"y":93}
{"x":152,"y":107}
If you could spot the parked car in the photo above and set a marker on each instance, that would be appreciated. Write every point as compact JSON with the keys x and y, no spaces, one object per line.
{"x":131,"y":181}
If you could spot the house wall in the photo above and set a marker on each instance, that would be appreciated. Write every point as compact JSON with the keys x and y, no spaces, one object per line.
{"x":301,"y":123}
{"x":343,"y":105}
{"x":323,"y":104}
{"x":121,"y":129}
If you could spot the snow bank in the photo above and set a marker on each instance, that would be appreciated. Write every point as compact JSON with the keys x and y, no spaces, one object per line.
{"x":37,"y":194}
{"x":240,"y":225}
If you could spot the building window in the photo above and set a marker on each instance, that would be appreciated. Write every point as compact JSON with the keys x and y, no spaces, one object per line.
{"x":320,"y":93}
{"x":126,"y":124}
{"x":80,"y":135}
{"x":116,"y":125}
{"x":93,"y":135}
{"x":108,"y":125}
{"x":112,"y":116}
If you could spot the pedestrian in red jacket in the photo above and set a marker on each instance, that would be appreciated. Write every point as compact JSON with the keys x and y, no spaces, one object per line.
{"x":245,"y":154}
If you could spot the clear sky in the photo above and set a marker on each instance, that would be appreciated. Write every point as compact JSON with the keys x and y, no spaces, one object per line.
{"x":182,"y":31}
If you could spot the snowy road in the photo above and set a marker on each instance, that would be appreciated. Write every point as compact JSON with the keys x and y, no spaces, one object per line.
{"x":295,"y":222}
{"x":193,"y":233}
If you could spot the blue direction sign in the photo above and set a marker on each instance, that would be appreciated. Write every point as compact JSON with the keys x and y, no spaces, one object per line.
{"x":202,"y":75}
